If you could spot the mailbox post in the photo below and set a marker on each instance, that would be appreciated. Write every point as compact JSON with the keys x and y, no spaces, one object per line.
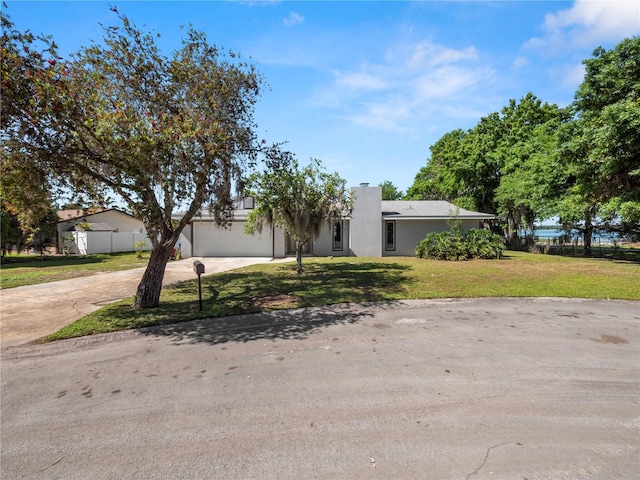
{"x":198,"y":269}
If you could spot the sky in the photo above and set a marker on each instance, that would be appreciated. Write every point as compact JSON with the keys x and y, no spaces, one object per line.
{"x":367,"y":87}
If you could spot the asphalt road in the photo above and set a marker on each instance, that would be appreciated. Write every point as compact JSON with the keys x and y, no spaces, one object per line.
{"x":451,"y":389}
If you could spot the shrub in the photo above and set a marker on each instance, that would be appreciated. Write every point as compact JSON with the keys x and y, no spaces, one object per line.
{"x":455,"y":245}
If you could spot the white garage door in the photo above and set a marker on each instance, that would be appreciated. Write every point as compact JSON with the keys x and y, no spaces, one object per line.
{"x":210,"y":240}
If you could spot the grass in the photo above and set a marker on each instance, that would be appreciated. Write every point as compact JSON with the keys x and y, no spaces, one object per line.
{"x":19,"y":270}
{"x":355,"y":280}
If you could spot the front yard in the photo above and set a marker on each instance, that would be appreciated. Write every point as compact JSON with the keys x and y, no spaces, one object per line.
{"x":353,"y":280}
{"x":19,"y":270}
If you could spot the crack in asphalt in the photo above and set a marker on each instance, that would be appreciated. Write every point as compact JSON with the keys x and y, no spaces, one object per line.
{"x":486,"y":457}
{"x":52,"y":465}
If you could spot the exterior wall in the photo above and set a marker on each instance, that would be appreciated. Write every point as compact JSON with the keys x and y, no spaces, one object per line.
{"x":365,"y":239}
{"x":279,"y":243}
{"x":88,"y":243}
{"x":121,"y":221}
{"x":410,"y":232}
{"x":185,"y":241}
{"x":323,"y":243}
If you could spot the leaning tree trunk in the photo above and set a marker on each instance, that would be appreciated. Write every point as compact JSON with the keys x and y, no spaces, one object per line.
{"x":148,"y":294}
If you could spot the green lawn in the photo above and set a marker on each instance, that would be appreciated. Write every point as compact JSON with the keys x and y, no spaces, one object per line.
{"x":18,"y":270}
{"x":343,"y":280}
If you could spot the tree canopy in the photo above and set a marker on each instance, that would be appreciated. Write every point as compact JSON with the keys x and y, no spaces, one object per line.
{"x":535,"y":160}
{"x":602,"y":146}
{"x":496,"y":166}
{"x":390,"y":191}
{"x":161,"y":132}
{"x":299,"y":199}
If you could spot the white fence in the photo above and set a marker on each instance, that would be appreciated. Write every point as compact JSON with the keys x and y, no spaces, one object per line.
{"x":87,"y":243}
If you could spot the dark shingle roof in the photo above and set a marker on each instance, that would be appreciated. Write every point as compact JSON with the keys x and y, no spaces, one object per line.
{"x":428,"y":209}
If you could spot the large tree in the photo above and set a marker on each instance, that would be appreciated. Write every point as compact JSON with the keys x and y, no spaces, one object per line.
{"x":529,"y":169}
{"x":601,"y":148}
{"x":161,"y":132}
{"x":438,"y":179}
{"x":299,"y":199}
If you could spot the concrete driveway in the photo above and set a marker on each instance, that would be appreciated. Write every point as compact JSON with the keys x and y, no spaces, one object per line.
{"x":32,"y":312}
{"x":449,"y":389}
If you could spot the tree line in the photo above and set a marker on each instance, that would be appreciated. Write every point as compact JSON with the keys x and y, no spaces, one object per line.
{"x":534,"y":161}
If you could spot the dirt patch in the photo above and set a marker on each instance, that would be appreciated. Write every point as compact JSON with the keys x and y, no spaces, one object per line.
{"x":610,"y":339}
{"x":276,"y":301}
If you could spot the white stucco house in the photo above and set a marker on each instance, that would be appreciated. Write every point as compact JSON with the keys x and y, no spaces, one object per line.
{"x":374,"y":228}
{"x":106,"y":230}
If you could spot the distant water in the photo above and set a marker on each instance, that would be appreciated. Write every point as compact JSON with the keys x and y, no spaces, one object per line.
{"x":558,"y":232}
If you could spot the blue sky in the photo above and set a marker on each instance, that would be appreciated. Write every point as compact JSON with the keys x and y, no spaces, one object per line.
{"x":368,"y":87}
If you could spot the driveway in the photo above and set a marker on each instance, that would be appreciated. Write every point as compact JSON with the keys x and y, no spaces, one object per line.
{"x":448,"y":389}
{"x":32,"y":312}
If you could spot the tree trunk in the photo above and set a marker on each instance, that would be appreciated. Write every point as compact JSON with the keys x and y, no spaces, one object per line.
{"x":148,"y":294}
{"x":512,"y":232}
{"x":588,"y":233}
{"x":299,"y":246}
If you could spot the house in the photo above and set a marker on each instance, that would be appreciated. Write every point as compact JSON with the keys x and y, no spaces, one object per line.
{"x":99,"y":231}
{"x":374,"y":228}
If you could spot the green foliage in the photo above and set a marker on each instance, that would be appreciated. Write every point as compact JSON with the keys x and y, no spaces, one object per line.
{"x":504,"y":164}
{"x":139,"y":246}
{"x":118,"y":116}
{"x":601,"y":148}
{"x":10,"y":231}
{"x":456,"y":245}
{"x":42,"y":234}
{"x":390,"y":191}
{"x":533,"y":160}
{"x":299,"y":199}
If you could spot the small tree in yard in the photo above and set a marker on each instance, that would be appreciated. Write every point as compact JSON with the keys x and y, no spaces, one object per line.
{"x":162,"y":132}
{"x":298,"y":199}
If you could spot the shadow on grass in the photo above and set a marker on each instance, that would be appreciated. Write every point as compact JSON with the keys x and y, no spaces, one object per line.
{"x":243,"y":306}
{"x":22,"y":261}
{"x":615,"y":255}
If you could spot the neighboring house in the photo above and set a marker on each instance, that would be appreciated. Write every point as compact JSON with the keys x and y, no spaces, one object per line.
{"x":99,"y":231}
{"x":374,"y":228}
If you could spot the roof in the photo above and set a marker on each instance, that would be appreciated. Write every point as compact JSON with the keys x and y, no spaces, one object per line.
{"x":78,"y":213}
{"x":96,"y":227}
{"x":428,"y":209}
{"x":391,"y":209}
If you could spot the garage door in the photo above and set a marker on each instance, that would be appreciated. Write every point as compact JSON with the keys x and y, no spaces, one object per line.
{"x":210,"y":240}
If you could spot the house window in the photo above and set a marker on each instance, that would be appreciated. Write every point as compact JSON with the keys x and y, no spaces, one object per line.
{"x":337,"y":236}
{"x":389,"y":235}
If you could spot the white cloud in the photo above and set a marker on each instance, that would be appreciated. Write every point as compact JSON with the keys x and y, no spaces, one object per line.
{"x":293,"y":19}
{"x":359,"y":81}
{"x":570,"y":76}
{"x":519,"y":62}
{"x":430,"y":54}
{"x":412,"y":85}
{"x":589,"y":22}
